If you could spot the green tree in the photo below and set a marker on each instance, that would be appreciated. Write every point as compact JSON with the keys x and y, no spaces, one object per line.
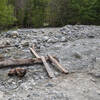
{"x":34,"y":13}
{"x":82,"y":11}
{"x":6,"y":14}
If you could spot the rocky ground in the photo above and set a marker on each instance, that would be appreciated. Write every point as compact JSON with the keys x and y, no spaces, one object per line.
{"x":78,"y":50}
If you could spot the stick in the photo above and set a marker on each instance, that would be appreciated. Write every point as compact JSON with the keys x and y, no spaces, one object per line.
{"x":34,"y":52}
{"x":49,"y":71}
{"x":58,"y":65}
{"x":21,"y":62}
{"x":1,"y":47}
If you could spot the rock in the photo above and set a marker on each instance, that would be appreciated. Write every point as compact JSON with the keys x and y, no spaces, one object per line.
{"x":16,"y":44}
{"x":7,"y":42}
{"x":91,"y":36}
{"x":77,"y":55}
{"x":42,"y":47}
{"x":96,"y":70}
{"x":59,"y":36}
{"x":34,"y":41}
{"x":2,"y":57}
{"x":12,"y":34}
{"x":98,"y":92}
{"x":15,"y":34}
{"x":45,"y":38}
{"x":1,"y":95}
{"x":25,"y":43}
{"x":49,"y":85}
{"x":52,"y":40}
{"x":63,"y":39}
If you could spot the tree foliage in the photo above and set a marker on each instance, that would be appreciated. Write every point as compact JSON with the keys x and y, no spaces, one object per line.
{"x":35,"y":13}
{"x":6,"y":14}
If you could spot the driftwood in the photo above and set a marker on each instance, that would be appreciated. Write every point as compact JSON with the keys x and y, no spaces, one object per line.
{"x":21,"y":62}
{"x":34,"y":52}
{"x":7,"y":46}
{"x":53,"y":60}
{"x":49,"y":71}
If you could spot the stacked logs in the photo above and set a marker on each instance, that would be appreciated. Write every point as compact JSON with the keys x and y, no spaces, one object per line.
{"x":38,"y":60}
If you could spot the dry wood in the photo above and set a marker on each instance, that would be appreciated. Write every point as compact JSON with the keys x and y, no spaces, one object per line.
{"x":21,"y":62}
{"x":57,"y":64}
{"x":49,"y":71}
{"x":34,"y":52}
{"x":3,"y":46}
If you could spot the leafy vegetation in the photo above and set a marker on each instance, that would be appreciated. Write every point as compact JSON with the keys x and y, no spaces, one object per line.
{"x":40,"y":13}
{"x":6,"y":14}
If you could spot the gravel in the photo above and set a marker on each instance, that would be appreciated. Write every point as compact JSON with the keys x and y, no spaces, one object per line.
{"x":77,"y":48}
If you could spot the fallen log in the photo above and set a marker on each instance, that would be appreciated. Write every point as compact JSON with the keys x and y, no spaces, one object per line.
{"x":34,"y":52}
{"x":21,"y":62}
{"x":58,"y":65}
{"x":49,"y":71}
{"x":7,"y":46}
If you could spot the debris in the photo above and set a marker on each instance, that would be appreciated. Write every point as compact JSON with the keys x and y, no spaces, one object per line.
{"x":5,"y":46}
{"x":21,"y":62}
{"x":57,"y":64}
{"x":12,"y":72}
{"x":50,"y":73}
{"x":20,"y":72}
{"x":34,"y":52}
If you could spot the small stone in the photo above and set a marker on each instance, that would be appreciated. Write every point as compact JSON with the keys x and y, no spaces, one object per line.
{"x":45,"y":38}
{"x":63,"y":39}
{"x":91,"y":36}
{"x":1,"y":95}
{"x":42,"y":47}
{"x":98,"y":92}
{"x":7,"y":42}
{"x":25,"y":43}
{"x":28,"y":95}
{"x":49,"y":85}
{"x":52,"y":40}
{"x":35,"y":41}
{"x":1,"y":57}
{"x":77,"y":55}
{"x":15,"y":34}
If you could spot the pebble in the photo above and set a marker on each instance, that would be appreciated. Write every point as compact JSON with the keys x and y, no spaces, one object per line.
{"x":63,"y":39}
{"x":25,"y":43}
{"x":45,"y":38}
{"x":1,"y":95}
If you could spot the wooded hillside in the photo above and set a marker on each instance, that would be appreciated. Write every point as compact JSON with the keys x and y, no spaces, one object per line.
{"x":41,"y":13}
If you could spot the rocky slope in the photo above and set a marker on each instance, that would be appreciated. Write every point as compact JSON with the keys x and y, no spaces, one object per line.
{"x":78,"y":50}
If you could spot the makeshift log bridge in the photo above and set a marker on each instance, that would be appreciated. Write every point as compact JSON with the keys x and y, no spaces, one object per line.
{"x":32,"y":61}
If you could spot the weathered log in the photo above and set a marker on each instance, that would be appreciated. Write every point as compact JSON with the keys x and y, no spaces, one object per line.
{"x":34,"y":52}
{"x":49,"y":71}
{"x":7,"y":46}
{"x":21,"y":62}
{"x":58,"y":65}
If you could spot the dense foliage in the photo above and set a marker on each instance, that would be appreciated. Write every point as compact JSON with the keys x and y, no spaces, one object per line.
{"x":6,"y":14}
{"x":40,"y":13}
